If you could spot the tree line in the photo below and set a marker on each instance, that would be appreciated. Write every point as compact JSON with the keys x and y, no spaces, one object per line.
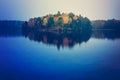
{"x":112,"y":24}
{"x":69,"y":21}
{"x":62,"y":21}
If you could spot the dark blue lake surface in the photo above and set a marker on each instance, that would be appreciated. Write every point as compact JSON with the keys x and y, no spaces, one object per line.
{"x":26,"y":57}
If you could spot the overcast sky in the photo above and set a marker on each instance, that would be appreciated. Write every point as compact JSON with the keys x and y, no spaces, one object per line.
{"x":25,"y":9}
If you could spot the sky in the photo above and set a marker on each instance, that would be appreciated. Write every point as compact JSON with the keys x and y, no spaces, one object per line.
{"x":25,"y":9}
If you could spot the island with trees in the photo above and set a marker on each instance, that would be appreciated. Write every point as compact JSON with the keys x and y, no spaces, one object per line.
{"x":59,"y":22}
{"x":67,"y":29}
{"x":61,"y":29}
{"x":69,"y":22}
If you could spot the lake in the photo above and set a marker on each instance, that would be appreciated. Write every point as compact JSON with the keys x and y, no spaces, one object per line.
{"x":59,"y":56}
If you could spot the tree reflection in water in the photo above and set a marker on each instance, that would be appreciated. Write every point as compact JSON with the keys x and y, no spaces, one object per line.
{"x":106,"y":34}
{"x":68,"y":38}
{"x":58,"y":38}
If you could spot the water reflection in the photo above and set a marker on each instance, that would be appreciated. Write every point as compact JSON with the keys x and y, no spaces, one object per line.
{"x":57,"y":38}
{"x":10,"y":28}
{"x":21,"y":58}
{"x":68,"y":38}
{"x":106,"y":34}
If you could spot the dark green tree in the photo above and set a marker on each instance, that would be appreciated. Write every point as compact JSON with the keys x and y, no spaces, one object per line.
{"x":50,"y":22}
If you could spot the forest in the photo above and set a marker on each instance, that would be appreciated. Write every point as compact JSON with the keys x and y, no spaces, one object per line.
{"x":64,"y":21}
{"x":69,"y":21}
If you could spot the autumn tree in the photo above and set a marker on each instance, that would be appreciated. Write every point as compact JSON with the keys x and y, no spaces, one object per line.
{"x":64,"y":20}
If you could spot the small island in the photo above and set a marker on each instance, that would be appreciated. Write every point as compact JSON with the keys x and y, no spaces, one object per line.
{"x":68,"y":29}
{"x":59,"y":22}
{"x":69,"y":22}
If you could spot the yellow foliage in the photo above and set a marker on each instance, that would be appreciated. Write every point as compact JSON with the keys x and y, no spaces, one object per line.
{"x":65,"y":18}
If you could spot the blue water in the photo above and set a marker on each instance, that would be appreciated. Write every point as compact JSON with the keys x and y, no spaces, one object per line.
{"x":25,"y":59}
{"x":33,"y":55}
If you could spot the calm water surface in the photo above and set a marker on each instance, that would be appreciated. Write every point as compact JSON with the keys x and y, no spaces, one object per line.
{"x":29,"y":58}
